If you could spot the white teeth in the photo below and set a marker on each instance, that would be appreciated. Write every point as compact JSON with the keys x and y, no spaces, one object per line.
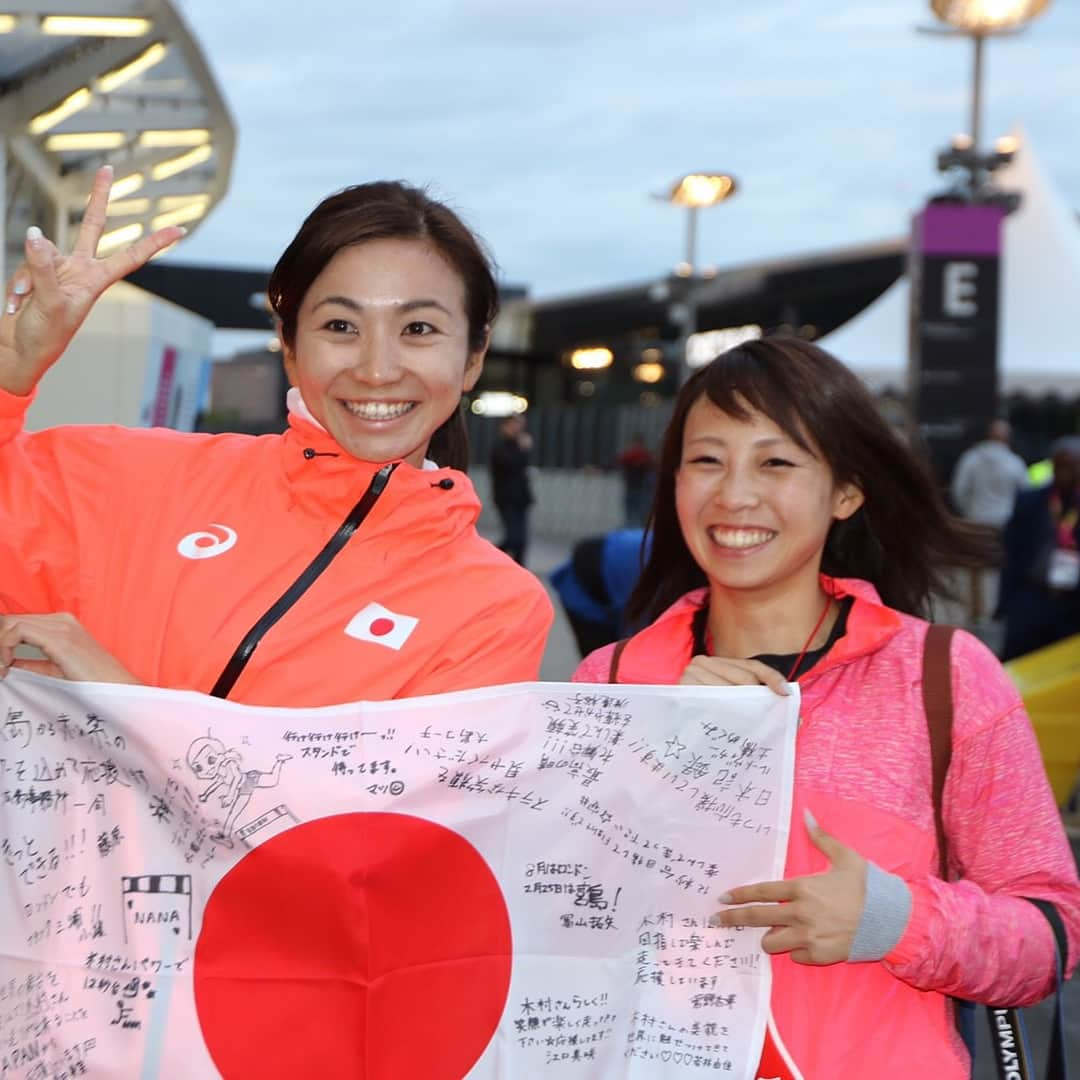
{"x":740,"y":538}
{"x":378,"y":410}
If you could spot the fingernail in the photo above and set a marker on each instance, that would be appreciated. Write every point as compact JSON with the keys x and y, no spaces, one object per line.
{"x":21,"y":287}
{"x":107,"y":168}
{"x":714,"y":922}
{"x":724,"y":898}
{"x":33,"y":236}
{"x":11,"y":307}
{"x":811,"y":821}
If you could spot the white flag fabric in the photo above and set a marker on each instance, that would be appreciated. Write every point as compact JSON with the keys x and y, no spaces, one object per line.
{"x":496,"y":884}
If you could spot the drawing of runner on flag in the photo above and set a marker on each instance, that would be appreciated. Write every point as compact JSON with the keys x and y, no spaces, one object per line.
{"x":209,"y":760}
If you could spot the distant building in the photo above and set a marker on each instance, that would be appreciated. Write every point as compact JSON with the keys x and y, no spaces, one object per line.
{"x":247,"y":393}
{"x":854,"y":300}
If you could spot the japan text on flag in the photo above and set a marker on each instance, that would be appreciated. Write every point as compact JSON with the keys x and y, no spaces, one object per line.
{"x":382,"y":626}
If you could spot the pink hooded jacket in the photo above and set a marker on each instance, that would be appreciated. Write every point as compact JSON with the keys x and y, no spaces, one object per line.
{"x":863,"y":769}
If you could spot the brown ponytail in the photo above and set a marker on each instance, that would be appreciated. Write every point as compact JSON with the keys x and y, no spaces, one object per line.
{"x":449,"y":445}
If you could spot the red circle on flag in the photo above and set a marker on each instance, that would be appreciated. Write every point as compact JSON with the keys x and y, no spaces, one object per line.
{"x":381,"y":627}
{"x":361,"y":945}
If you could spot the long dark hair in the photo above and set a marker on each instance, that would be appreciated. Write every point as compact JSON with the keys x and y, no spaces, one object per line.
{"x":387,"y":210}
{"x":902,"y":539}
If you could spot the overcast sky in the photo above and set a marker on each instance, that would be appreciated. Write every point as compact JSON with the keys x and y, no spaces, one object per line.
{"x":548,"y":123}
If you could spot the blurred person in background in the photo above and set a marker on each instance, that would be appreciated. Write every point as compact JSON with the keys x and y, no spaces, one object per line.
{"x":984,"y":486}
{"x":595,"y":583}
{"x":1040,"y":578}
{"x":336,"y":562}
{"x":638,"y":468}
{"x":511,"y":486}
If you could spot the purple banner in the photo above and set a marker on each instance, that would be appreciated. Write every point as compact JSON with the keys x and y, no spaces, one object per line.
{"x":959,"y":230}
{"x":166,"y":376}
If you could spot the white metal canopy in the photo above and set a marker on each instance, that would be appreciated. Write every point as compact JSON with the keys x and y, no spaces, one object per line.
{"x":124,"y":83}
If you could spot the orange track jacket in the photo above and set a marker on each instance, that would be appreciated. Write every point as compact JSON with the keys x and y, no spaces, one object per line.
{"x":170,"y":548}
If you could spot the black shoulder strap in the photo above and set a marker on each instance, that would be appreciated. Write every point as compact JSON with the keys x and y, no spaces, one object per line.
{"x":1053,"y":917}
{"x":1057,"y":1067}
{"x":616,"y":656}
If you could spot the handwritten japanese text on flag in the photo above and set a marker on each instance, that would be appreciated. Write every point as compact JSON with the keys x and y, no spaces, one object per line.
{"x":493,"y":884}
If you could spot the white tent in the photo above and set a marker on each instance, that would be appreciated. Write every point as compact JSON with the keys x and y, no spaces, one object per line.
{"x":875,"y":342}
{"x":1037,"y":346}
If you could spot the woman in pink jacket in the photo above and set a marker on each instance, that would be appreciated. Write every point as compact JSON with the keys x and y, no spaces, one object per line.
{"x":796,"y":538}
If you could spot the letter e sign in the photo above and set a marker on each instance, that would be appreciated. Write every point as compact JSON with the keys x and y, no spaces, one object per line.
{"x":958,"y":300}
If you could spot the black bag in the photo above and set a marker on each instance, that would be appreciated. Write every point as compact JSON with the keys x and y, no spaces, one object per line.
{"x":1007,"y":1032}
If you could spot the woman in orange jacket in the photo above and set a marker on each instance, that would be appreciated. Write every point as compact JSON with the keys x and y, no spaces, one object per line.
{"x":332,"y":563}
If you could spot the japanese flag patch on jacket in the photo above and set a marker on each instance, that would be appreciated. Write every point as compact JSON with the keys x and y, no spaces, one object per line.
{"x":381,"y":626}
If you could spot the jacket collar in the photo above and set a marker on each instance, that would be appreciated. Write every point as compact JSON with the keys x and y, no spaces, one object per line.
{"x":660,"y":653}
{"x":325,"y":480}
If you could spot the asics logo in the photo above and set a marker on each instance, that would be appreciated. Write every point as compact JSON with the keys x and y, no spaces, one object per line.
{"x":205,"y":545}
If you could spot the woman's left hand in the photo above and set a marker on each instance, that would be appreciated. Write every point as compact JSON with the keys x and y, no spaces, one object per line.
{"x":72,"y":653}
{"x":814,"y":918}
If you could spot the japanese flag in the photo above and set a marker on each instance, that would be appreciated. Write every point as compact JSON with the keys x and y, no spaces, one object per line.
{"x":381,"y":626}
{"x":291,"y":907}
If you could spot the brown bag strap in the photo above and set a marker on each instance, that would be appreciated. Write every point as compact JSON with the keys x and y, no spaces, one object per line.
{"x":616,"y":656}
{"x":938,"y":703}
{"x":1006,"y":1023}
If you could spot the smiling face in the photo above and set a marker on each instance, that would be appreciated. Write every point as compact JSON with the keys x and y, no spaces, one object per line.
{"x":381,"y":351}
{"x":754,"y":507}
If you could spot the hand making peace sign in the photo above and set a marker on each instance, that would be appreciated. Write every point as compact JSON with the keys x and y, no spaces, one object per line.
{"x":50,"y":294}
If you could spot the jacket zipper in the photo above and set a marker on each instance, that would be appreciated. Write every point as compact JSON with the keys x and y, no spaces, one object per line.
{"x":239,"y":659}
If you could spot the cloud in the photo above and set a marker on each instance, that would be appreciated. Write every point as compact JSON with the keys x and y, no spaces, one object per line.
{"x":549,"y":123}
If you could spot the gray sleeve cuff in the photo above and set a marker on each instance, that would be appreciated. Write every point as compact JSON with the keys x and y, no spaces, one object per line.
{"x":884,"y":918}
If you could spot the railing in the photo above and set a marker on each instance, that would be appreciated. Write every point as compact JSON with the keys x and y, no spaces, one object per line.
{"x":570,"y":503}
{"x":576,"y":436}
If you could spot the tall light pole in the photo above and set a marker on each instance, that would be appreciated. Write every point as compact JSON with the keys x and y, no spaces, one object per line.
{"x":695,"y":191}
{"x":979,"y":20}
{"x":956,"y":255}
{"x":698,"y":191}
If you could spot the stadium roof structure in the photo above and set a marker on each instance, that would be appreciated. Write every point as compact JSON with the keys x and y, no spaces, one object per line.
{"x":107,"y":82}
{"x":825,"y":289}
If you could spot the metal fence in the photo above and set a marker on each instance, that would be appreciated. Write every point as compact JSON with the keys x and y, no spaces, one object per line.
{"x":576,"y":436}
{"x":570,"y":503}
